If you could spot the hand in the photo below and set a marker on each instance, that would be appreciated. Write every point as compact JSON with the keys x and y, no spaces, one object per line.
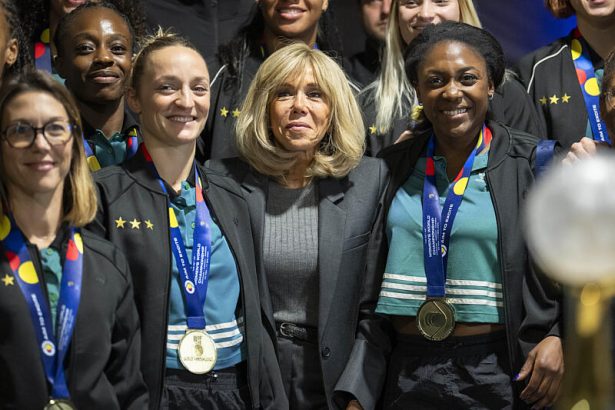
{"x":545,"y":368}
{"x":403,"y":136}
{"x":585,"y":148}
{"x":354,"y":405}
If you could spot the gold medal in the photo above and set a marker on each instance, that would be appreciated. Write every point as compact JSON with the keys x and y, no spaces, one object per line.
{"x":59,"y":404}
{"x":197,"y":351}
{"x":436,"y":319}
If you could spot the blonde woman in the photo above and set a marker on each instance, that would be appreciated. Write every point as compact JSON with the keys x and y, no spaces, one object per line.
{"x":312,"y":200}
{"x":388,"y":102}
{"x":63,"y":290}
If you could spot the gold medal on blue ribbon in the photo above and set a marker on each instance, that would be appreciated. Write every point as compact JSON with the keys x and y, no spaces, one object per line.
{"x":197,"y":351}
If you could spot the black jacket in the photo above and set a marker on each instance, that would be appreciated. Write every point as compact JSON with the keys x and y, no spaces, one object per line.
{"x":218,"y":137}
{"x":133,"y":193}
{"x":347,"y":208}
{"x":532,"y":308}
{"x":551,"y":81}
{"x":102,"y":364}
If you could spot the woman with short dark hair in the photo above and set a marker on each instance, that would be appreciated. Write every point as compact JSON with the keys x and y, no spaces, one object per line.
{"x":474,"y":325}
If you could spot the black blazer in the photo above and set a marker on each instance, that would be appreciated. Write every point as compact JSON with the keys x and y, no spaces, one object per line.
{"x":133,"y":193}
{"x":346,"y":211}
{"x":102,"y":364}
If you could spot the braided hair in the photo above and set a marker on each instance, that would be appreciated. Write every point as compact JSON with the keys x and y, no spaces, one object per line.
{"x":24,"y":58}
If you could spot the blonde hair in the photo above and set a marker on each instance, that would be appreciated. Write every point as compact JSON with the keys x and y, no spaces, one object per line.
{"x":392,"y":94}
{"x":343,"y":146}
{"x":79,"y":199}
{"x":160,"y":39}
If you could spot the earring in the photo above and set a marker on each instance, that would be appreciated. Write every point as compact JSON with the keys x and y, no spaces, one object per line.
{"x":490,"y":96}
{"x":417,"y":112}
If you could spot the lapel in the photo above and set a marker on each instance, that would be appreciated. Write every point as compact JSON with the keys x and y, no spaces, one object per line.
{"x":254,"y":186}
{"x":331,"y":224}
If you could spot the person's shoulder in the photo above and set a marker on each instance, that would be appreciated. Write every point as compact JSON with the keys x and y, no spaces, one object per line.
{"x":109,"y":259}
{"x":541,"y":57}
{"x":368,"y":167}
{"x":107,"y":172}
{"x":113,"y":180}
{"x":228,"y":166}
{"x":222,"y":174}
{"x":521,"y":143}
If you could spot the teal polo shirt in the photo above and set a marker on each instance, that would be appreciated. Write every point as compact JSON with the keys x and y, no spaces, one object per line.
{"x":474,"y":284}
{"x":223,"y":323}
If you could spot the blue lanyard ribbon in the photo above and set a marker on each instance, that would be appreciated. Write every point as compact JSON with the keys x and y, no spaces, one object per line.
{"x":53,"y":345}
{"x":589,"y":85}
{"x":132,"y":146}
{"x":195,"y":275}
{"x":438,"y":223}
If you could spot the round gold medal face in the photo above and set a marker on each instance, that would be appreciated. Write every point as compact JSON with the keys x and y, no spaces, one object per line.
{"x":436,"y":319}
{"x":197,"y":352}
{"x":59,"y":404}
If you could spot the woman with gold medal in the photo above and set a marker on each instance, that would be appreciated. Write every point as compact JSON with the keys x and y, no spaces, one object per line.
{"x":186,"y":233}
{"x":470,"y":323}
{"x":68,"y":322}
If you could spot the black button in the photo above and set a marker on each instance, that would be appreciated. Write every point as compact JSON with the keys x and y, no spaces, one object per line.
{"x":326,"y":352}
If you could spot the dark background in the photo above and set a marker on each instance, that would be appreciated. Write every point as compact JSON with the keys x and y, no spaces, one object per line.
{"x":520,"y":25}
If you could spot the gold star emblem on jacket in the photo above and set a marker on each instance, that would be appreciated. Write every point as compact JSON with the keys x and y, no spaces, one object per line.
{"x":543,"y":100}
{"x":135,"y":224}
{"x":554,"y":99}
{"x":565,"y":98}
{"x":236,"y":113}
{"x":119,"y":223}
{"x":8,"y":280}
{"x":149,"y":225}
{"x":224,"y":112}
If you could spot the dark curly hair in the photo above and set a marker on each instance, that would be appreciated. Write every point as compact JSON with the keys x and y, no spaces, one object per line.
{"x":248,"y":42}
{"x":449,"y":31}
{"x":67,"y":19}
{"x":34,"y":15}
{"x":24,"y":59}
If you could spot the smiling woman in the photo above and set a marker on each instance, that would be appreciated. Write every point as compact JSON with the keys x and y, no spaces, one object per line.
{"x":46,"y":197}
{"x":313,"y":199}
{"x":186,"y":232}
{"x":94,"y":45}
{"x":460,"y":306}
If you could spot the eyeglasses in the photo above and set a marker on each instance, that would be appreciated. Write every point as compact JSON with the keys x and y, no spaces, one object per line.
{"x":23,"y":135}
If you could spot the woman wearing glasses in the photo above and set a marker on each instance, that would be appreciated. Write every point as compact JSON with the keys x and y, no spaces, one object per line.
{"x":69,"y":330}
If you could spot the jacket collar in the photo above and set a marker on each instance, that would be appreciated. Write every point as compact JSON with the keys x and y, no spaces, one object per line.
{"x":138,"y":168}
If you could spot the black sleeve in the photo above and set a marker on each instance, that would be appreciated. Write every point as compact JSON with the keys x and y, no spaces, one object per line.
{"x":542,"y":302}
{"x":98,"y":225}
{"x":123,"y":368}
{"x":513,"y":107}
{"x":542,"y":298}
